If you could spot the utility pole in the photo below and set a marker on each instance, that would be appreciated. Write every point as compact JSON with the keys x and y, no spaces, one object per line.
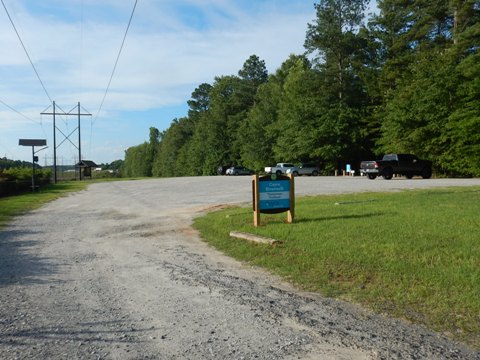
{"x":54,"y":147}
{"x":79,"y":144}
{"x":66,"y":137}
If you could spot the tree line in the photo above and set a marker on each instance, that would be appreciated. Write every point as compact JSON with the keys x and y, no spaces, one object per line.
{"x":7,"y":164}
{"x":405,"y":80}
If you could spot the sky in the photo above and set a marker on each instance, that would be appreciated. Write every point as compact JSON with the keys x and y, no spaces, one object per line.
{"x":171,"y":47}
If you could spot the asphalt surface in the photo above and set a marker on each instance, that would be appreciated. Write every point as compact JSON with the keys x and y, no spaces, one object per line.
{"x":116,"y":272}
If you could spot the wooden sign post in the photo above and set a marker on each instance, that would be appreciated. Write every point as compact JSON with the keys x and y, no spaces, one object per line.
{"x":273,"y":194}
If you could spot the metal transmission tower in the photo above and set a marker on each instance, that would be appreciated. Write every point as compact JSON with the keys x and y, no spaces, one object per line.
{"x":66,"y":137}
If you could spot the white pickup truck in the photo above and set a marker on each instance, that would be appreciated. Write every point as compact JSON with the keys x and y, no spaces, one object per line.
{"x":280,"y":168}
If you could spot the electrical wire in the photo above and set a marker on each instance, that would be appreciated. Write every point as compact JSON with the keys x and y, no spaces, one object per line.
{"x":41,"y":82}
{"x":116,"y":62}
{"x":62,"y":115}
{"x":19,"y":113}
{"x":26,"y":52}
{"x":24,"y":116}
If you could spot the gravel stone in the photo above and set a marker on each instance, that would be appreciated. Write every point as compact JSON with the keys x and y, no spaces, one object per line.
{"x":117,"y":272}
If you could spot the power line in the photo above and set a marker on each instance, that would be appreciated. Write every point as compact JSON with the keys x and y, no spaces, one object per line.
{"x":25,"y":116}
{"x":19,"y":113}
{"x":26,"y":52}
{"x":116,"y":62}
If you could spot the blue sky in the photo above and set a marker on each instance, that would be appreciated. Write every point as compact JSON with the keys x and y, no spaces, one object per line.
{"x":172,"y":47}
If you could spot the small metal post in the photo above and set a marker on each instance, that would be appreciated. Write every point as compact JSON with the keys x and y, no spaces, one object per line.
{"x":33,"y":168}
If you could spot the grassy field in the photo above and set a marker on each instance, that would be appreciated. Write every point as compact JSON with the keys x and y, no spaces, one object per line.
{"x":413,"y":255}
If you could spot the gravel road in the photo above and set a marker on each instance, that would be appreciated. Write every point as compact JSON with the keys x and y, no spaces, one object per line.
{"x":116,"y":272}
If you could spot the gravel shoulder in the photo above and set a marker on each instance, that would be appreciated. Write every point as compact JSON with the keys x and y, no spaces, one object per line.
{"x":117,"y":272}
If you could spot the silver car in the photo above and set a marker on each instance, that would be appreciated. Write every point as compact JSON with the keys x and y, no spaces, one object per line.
{"x":304,"y":169}
{"x":239,"y":170}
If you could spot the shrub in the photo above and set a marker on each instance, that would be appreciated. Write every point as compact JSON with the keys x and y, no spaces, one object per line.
{"x":17,"y":180}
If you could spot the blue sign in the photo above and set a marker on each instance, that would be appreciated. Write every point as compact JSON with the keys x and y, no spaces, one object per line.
{"x":274,"y":194}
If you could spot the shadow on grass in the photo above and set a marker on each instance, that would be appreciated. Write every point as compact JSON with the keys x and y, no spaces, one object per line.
{"x":18,"y":262}
{"x":343,"y":217}
{"x":62,"y":187}
{"x":440,"y":192}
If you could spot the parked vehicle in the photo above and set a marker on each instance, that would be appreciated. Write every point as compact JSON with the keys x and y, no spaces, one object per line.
{"x":303,"y":169}
{"x":280,"y":168}
{"x":222,"y":169}
{"x":401,"y":164}
{"x":239,"y":170}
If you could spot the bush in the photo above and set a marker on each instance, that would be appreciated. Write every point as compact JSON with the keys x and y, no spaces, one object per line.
{"x":105,"y":174}
{"x":17,"y":180}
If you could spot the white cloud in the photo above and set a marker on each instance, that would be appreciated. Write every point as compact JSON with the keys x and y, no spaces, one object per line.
{"x":171,"y":48}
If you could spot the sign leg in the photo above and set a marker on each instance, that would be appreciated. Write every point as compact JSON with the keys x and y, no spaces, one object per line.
{"x":291,"y":211}
{"x":256,"y":202}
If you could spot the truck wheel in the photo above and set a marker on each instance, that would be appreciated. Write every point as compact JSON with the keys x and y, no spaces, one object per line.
{"x":278,"y":172}
{"x":426,"y":173}
{"x":387,"y":173}
{"x":295,"y":173}
{"x":315,"y":173}
{"x":372,"y":176}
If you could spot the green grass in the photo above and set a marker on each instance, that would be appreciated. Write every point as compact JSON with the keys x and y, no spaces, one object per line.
{"x":413,"y":255}
{"x":16,"y":205}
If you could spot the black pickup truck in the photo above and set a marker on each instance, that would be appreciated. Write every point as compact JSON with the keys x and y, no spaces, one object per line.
{"x":401,"y":164}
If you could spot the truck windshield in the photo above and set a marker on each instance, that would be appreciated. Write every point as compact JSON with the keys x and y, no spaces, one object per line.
{"x":390,"y":157}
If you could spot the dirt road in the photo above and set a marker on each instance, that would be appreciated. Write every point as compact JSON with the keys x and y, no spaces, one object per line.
{"x":116,"y":272}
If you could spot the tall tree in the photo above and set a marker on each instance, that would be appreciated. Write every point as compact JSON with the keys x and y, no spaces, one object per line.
{"x":200,"y":101}
{"x":337,"y":44}
{"x":300,"y":109}
{"x":152,"y":148}
{"x":461,"y":134}
{"x":252,"y":75}
{"x":172,"y":140}
{"x":334,"y":41}
{"x":254,"y":71}
{"x":404,"y":29}
{"x":258,"y":133}
{"x":430,"y":110}
{"x":136,"y":163}
{"x":415,"y":116}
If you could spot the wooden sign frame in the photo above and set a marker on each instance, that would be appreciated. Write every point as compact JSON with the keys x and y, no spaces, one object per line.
{"x":275,"y":190}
